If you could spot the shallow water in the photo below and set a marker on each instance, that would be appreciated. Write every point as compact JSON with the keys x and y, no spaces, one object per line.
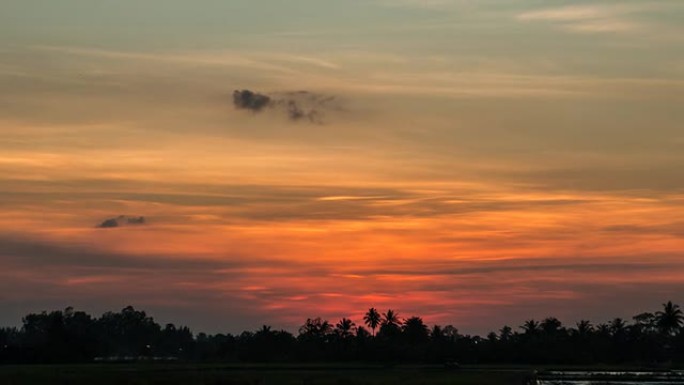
{"x":611,"y":378}
{"x":607,"y":382}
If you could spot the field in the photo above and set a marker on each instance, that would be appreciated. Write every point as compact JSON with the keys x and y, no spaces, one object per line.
{"x":189,"y":374}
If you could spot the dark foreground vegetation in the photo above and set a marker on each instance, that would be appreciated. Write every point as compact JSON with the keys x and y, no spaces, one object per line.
{"x":130,"y":335}
{"x":263,"y":374}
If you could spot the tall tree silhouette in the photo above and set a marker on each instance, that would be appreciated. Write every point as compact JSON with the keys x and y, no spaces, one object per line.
{"x":437,"y":333}
{"x":550,"y":326}
{"x":315,"y":327}
{"x":345,"y":328}
{"x":390,"y":326}
{"x":362,"y":334}
{"x":603,"y":329}
{"x":584,"y":328}
{"x":314,"y":337}
{"x":670,"y":319}
{"x":645,"y":322}
{"x":530,"y":327}
{"x":372,"y":318}
{"x":505,"y":333}
{"x":618,"y":327}
{"x":391,"y":318}
{"x":415,"y":330}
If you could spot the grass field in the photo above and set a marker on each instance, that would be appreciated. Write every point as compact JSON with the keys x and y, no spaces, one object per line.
{"x":189,"y":374}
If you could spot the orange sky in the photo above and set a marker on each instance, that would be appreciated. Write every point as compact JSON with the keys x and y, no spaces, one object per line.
{"x":476,"y":164}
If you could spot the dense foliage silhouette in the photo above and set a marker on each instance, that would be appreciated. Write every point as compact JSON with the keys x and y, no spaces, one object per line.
{"x":74,"y":336}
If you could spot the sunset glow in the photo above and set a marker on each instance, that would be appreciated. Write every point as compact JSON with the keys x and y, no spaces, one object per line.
{"x":461,"y":164}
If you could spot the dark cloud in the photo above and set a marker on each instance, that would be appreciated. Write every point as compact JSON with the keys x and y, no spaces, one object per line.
{"x":109,"y":223}
{"x":298,"y":105}
{"x":136,"y":220}
{"x":121,"y":220}
{"x":248,"y":100}
{"x":295,"y":112}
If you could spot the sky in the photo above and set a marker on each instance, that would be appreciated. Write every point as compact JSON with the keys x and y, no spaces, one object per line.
{"x":477,"y":163}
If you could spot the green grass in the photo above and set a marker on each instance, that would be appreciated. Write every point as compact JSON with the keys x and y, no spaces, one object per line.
{"x":190,"y":374}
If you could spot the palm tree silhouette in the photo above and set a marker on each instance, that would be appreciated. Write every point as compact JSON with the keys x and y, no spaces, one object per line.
{"x":316,"y":328}
{"x":345,"y":328}
{"x":550,"y":325}
{"x":415,"y":329}
{"x":584,"y":327}
{"x":670,"y":319}
{"x":505,"y":333}
{"x":437,"y":333}
{"x":617,"y":327}
{"x":530,"y":327}
{"x":391,"y":318}
{"x":603,"y":329}
{"x":390,"y":326}
{"x":372,"y":319}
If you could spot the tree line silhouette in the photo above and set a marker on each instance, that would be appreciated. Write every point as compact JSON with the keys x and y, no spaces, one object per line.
{"x":74,"y":336}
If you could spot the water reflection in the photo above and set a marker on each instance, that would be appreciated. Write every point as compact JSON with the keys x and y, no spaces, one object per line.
{"x":610,"y":378}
